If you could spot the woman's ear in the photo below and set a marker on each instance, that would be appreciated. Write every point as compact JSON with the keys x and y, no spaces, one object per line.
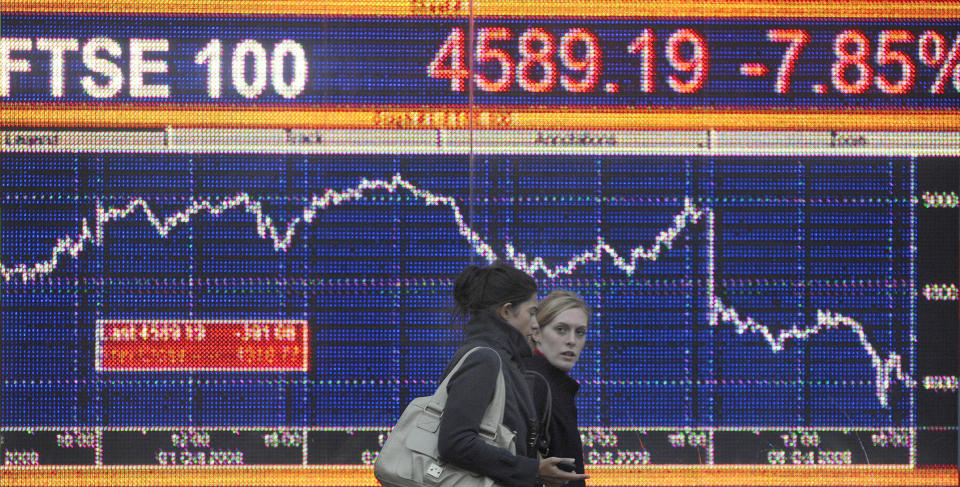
{"x":505,"y":311}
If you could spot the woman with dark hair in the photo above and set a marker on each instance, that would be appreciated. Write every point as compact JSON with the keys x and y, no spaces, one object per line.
{"x":500,"y":302}
{"x":562,"y":322}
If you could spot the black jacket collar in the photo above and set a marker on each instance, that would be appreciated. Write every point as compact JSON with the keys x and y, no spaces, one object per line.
{"x":490,"y":329}
{"x":554,"y":375}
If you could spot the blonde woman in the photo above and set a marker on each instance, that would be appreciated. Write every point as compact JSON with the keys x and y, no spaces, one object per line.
{"x":563,"y":319}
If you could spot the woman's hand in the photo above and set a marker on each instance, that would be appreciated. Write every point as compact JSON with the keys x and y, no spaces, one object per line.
{"x":552,"y":476}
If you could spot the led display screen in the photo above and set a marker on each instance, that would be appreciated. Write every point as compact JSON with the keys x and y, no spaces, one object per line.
{"x":230,"y":240}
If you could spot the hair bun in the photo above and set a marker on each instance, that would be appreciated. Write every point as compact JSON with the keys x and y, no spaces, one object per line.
{"x":466,"y":286}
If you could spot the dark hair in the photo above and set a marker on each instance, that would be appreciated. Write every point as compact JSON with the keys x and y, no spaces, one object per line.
{"x":480,"y":289}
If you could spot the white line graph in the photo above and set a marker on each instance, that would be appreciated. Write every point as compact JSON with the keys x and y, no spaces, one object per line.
{"x":887,"y":369}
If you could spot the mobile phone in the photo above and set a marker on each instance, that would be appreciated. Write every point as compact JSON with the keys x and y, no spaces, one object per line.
{"x":566,"y":467}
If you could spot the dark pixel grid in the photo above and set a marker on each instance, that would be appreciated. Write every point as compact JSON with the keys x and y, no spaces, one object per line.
{"x":373,"y":278}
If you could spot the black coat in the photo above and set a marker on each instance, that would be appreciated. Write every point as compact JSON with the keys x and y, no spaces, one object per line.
{"x":470,"y":391}
{"x":563,"y":432}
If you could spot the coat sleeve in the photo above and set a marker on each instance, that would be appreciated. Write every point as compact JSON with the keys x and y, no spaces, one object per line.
{"x":470,"y":390}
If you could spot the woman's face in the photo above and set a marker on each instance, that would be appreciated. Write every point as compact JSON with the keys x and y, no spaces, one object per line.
{"x":523,"y":317}
{"x":562,"y":340}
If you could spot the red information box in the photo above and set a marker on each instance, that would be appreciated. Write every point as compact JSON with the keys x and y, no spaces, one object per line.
{"x":202,"y":345}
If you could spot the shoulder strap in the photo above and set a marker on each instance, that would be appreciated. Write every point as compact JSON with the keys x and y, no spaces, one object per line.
{"x":493,"y":416}
{"x":545,"y":408}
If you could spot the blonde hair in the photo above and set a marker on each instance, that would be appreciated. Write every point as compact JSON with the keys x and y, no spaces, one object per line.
{"x":558,"y":301}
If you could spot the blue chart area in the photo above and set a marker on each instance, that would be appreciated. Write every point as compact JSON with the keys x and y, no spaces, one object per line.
{"x":728,"y":290}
